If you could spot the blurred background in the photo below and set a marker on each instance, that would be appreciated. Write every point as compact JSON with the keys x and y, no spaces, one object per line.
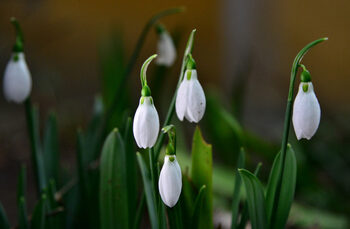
{"x":244,"y":50}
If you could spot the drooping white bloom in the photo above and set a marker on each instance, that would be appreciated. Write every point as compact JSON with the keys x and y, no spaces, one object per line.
{"x":17,"y":82}
{"x":146,"y":123}
{"x":165,"y":49}
{"x":170,"y":181}
{"x":306,"y":112}
{"x":190,"y":98}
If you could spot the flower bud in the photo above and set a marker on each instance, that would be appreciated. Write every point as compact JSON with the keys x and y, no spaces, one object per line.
{"x":146,"y":123}
{"x":170,"y":181}
{"x":17,"y":83}
{"x":306,"y":112}
{"x":190,"y":98}
{"x":165,"y":48}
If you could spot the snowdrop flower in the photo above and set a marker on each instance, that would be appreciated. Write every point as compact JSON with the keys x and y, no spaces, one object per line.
{"x":170,"y":181}
{"x":170,"y":178}
{"x":17,"y":82}
{"x":190,"y":98}
{"x":165,"y":48}
{"x":306,"y":110}
{"x":146,"y":120}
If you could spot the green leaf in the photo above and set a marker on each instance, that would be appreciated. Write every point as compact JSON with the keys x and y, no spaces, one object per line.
{"x":237,"y":189}
{"x":22,"y":213}
{"x":255,"y":198}
{"x":50,"y":153}
{"x":198,"y":204}
{"x":32,"y":116}
{"x":278,"y":217}
{"x":4,"y":223}
{"x":22,"y":183}
{"x":149,"y":192}
{"x":245,"y":214}
{"x":202,"y":169}
{"x":39,"y":214}
{"x":113,"y":185}
{"x":21,"y":202}
{"x":174,"y":216}
{"x":130,"y":157}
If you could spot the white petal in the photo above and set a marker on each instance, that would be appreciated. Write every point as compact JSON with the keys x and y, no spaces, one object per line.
{"x":146,"y":124}
{"x":170,"y":181}
{"x":181,"y":99}
{"x":196,"y":100}
{"x":136,"y":126}
{"x":166,"y":50}
{"x":17,"y":80}
{"x":306,"y":113}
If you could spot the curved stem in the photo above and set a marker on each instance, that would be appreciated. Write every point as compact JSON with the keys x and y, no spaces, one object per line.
{"x":144,"y":69}
{"x":18,"y":47}
{"x":293,"y":75}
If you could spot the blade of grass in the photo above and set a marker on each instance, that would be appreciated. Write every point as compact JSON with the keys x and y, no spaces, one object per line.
{"x":21,"y":201}
{"x":255,"y":198}
{"x":50,"y":151}
{"x":174,"y":216}
{"x":39,"y":214}
{"x":34,"y":137}
{"x":149,"y":192}
{"x":198,"y":204}
{"x":245,"y":214}
{"x":237,"y":189}
{"x":202,"y":170}
{"x":4,"y":223}
{"x":114,"y":212}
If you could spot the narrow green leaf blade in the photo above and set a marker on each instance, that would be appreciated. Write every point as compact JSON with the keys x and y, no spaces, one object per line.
{"x":237,"y":189}
{"x":50,"y":151}
{"x":39,"y":214}
{"x":255,"y":198}
{"x":4,"y":223}
{"x":198,"y":204}
{"x":175,"y":217}
{"x":245,"y":214}
{"x":113,"y":186}
{"x":130,"y":157}
{"x":148,"y":187}
{"x":32,"y":115}
{"x":202,"y":170}
{"x":286,"y":195}
{"x":21,"y":201}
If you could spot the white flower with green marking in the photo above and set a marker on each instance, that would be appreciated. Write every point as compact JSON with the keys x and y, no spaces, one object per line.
{"x":306,"y":112}
{"x":190,"y":98}
{"x":146,"y":123}
{"x":165,"y":48}
{"x":170,"y":181}
{"x":17,"y":82}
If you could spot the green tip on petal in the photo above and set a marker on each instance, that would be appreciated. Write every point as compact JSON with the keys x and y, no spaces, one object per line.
{"x":146,"y":90}
{"x":305,"y":87}
{"x":305,"y":75}
{"x":172,"y":158}
{"x":160,"y":29}
{"x":191,"y":64}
